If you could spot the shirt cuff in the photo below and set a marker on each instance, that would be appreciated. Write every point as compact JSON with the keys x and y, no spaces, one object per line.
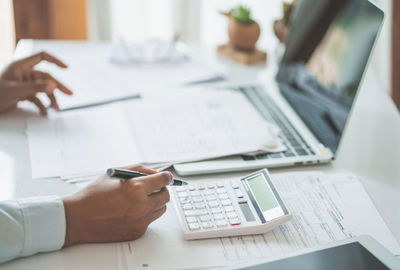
{"x":44,"y":224}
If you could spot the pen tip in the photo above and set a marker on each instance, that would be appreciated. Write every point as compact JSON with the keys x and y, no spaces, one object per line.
{"x":110,"y":172}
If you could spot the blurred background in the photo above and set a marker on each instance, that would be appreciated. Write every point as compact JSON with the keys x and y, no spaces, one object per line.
{"x":195,"y":21}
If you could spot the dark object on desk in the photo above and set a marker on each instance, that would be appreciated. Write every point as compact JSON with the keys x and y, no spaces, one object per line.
{"x":351,"y":256}
{"x":124,"y":175}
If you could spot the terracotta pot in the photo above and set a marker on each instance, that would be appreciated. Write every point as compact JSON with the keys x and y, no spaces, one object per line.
{"x":243,"y":36}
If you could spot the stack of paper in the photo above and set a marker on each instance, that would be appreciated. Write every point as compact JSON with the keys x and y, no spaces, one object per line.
{"x":95,"y":78}
{"x":176,"y":128}
{"x":325,"y":208}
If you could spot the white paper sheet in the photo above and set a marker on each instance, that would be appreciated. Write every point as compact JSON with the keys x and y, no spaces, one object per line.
{"x":325,"y":208}
{"x":80,"y":142}
{"x":197,"y":126}
{"x":182,"y":127}
{"x":95,"y":78}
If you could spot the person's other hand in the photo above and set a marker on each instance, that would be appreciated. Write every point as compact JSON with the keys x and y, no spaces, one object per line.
{"x":109,"y":210}
{"x":20,"y":81}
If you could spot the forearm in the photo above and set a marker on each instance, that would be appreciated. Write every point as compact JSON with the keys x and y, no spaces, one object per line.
{"x":30,"y":226}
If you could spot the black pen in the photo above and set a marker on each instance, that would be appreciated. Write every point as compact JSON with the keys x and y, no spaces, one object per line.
{"x":124,"y":175}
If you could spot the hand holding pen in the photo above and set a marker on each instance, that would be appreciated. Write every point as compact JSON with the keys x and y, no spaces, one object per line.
{"x":106,"y":211}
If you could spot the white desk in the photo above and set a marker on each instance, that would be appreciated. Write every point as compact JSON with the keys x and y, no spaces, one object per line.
{"x":370,"y":148}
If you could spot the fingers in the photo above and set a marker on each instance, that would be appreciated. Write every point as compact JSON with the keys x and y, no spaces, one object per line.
{"x":155,"y":182}
{"x":159,"y":199}
{"x":142,"y":169}
{"x":43,"y":75}
{"x":22,"y":90}
{"x":42,"y":56}
{"x":28,"y":90}
{"x":156,"y":214}
{"x":39,"y":104}
{"x":53,"y":101}
{"x":39,"y":75}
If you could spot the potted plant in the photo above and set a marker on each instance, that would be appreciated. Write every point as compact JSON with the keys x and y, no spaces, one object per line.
{"x":243,"y":31}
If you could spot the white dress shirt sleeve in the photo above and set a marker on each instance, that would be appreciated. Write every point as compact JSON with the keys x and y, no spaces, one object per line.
{"x":31,"y":225}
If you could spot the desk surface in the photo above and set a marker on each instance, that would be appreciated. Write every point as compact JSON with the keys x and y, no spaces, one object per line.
{"x":370,"y":148}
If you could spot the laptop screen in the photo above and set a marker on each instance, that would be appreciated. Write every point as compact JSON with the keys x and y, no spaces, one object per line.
{"x":321,"y":76}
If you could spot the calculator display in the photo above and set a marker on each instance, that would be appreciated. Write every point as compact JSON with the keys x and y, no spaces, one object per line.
{"x":244,"y":206}
{"x":262,"y":192}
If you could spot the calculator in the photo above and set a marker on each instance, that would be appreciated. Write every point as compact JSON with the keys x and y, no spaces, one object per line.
{"x":249,"y":205}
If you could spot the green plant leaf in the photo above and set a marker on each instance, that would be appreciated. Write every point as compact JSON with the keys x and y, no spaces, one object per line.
{"x":242,"y":14}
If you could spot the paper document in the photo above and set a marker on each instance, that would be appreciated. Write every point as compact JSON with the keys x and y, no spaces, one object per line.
{"x":325,"y":208}
{"x":177,"y":128}
{"x":197,"y":126}
{"x":80,"y":142}
{"x":94,"y":78}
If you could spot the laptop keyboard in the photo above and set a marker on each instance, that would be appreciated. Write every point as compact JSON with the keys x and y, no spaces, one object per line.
{"x":294,"y":143}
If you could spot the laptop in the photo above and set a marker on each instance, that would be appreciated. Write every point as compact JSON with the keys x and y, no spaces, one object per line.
{"x":311,"y":96}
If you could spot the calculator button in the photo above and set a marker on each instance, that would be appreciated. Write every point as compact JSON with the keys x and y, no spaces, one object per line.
{"x":231,"y":215}
{"x":226,"y":202}
{"x":194,"y":226}
{"x":202,"y":212}
{"x":182,"y":194}
{"x":189,"y":213}
{"x":191,"y":219}
{"x":197,"y":199}
{"x":201,"y":186}
{"x":200,"y":205}
{"x":239,"y":193}
{"x":182,"y":188}
{"x":234,"y":221}
{"x":208,"y":192}
{"x":199,"y":212}
{"x":229,"y":208}
{"x":207,"y":225}
{"x":184,"y":200}
{"x":220,"y":184}
{"x":194,"y":193}
{"x":213,"y":204}
{"x":221,"y":190}
{"x":216,"y":210}
{"x":211,"y":185}
{"x":221,"y":223}
{"x":205,"y":218}
{"x":223,"y":196}
{"x":218,"y":216}
{"x":234,"y":184}
{"x":211,"y":198}
{"x":187,"y":206}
